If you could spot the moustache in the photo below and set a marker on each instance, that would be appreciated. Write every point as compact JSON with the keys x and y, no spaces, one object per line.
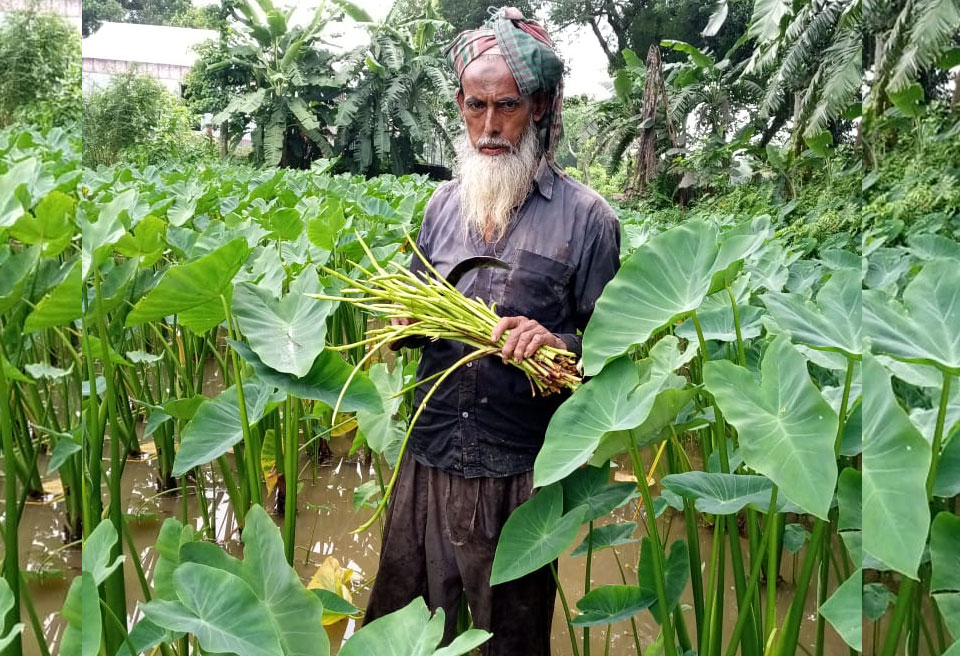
{"x":496,"y":142}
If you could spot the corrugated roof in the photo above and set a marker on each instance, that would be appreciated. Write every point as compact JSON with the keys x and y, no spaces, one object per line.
{"x":149,"y":44}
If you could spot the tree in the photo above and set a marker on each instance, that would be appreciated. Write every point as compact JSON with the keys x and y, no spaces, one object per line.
{"x":39,"y":70}
{"x":402,"y":101}
{"x":293,"y":86}
{"x":134,"y":119}
{"x":179,"y":13}
{"x":208,"y":88}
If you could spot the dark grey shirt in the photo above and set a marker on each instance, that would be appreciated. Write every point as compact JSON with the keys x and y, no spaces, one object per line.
{"x":563,"y":247}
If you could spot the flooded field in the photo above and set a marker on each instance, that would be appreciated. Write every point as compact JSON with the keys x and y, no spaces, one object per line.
{"x":324,"y":524}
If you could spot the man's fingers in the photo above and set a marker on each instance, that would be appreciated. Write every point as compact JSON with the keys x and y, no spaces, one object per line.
{"x":510,"y":349}
{"x":528,"y":344}
{"x":538,"y":340}
{"x":505,"y":324}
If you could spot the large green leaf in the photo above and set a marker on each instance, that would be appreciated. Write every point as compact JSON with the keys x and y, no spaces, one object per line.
{"x":23,"y":174}
{"x":676,"y":573}
{"x":410,"y":631}
{"x":294,"y":611}
{"x":787,"y":430}
{"x":81,"y":610}
{"x":96,"y":552}
{"x":96,"y":237}
{"x":220,"y":609}
{"x":924,"y":328}
{"x":14,"y":275}
{"x":609,"y":535}
{"x":216,"y":426}
{"x":192,"y":285}
{"x":6,"y":603}
{"x":612,"y":603}
{"x":51,"y":224}
{"x":381,"y":430}
{"x":534,"y":535}
{"x":724,"y":494}
{"x":832,"y":323}
{"x":945,"y":576}
{"x":896,"y":462}
{"x":591,"y":487}
{"x":323,"y":382}
{"x":286,"y":333}
{"x":661,"y":282}
{"x":844,"y":610}
{"x":58,"y":308}
{"x":619,"y":398}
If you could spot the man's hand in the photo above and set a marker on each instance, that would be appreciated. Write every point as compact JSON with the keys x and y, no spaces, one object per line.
{"x":396,"y":345}
{"x":526,"y":336}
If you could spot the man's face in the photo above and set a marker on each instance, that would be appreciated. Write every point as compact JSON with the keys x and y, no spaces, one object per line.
{"x":492,"y":107}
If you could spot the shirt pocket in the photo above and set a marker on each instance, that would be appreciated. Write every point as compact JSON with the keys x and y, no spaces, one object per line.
{"x":536,"y":288}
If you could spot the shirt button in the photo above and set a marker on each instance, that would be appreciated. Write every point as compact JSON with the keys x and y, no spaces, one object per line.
{"x":469,"y":364}
{"x":465,"y":415}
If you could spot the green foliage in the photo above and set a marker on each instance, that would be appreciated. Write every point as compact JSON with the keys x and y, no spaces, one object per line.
{"x":402,"y":102}
{"x":39,"y":70}
{"x":180,"y":13}
{"x":134,"y":119}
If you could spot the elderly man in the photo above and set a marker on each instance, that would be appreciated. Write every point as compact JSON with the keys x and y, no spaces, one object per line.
{"x":474,"y":447}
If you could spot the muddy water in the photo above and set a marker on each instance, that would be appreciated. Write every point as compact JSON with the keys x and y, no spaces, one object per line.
{"x":325,"y":519}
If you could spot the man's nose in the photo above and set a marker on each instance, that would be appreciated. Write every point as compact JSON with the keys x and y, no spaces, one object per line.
{"x":492,"y":125}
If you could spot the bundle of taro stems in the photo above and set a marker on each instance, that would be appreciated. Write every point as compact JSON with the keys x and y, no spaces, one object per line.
{"x":435,"y":310}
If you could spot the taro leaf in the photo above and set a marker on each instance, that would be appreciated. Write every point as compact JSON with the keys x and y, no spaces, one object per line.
{"x":294,"y":611}
{"x":142,"y":357}
{"x":945,"y":576}
{"x":14,"y":274}
{"x":612,"y":603}
{"x":39,"y":370}
{"x":287,"y":334}
{"x":787,"y":430}
{"x":195,"y":286}
{"x":850,"y":516}
{"x":851,"y":444}
{"x":921,"y":375}
{"x":410,"y":631}
{"x":95,"y":237}
{"x":717,"y":324}
{"x":609,"y":535}
{"x":947,"y":483}
{"x":6,"y":603}
{"x":145,"y":635}
{"x":844,"y":610}
{"x":335,"y":607}
{"x":145,"y":244}
{"x":51,"y":225}
{"x":216,"y":426}
{"x":876,"y":599}
{"x":364,"y":493}
{"x":832,"y":323}
{"x":21,"y":174}
{"x":924,"y":328}
{"x":81,"y":610}
{"x":662,"y":281}
{"x":536,"y":533}
{"x":794,"y":537}
{"x":220,"y":609}
{"x":96,"y":552}
{"x":675,"y":574}
{"x":723,"y":494}
{"x":885,"y":267}
{"x":896,"y":462}
{"x":322,"y":383}
{"x":621,"y":397}
{"x":382,"y":432}
{"x":58,"y":308}
{"x":173,"y":535}
{"x":591,"y":487}
{"x":929,"y":247}
{"x":66,"y":447}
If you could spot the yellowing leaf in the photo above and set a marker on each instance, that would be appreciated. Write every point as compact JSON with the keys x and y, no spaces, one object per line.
{"x":331,"y":576}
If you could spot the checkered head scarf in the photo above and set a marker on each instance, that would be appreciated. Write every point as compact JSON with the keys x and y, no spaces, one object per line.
{"x":530,"y":55}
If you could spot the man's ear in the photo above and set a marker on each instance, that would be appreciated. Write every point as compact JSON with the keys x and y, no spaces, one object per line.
{"x":540,"y":104}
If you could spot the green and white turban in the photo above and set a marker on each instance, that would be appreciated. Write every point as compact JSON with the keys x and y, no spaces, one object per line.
{"x":531,"y":58}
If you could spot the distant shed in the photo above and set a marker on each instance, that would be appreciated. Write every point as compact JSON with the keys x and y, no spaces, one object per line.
{"x":162,"y":52}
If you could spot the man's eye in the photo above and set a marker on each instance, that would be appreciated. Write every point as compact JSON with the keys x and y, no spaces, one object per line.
{"x":474,"y":106}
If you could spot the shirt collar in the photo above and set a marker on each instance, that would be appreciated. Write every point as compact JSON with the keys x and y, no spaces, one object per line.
{"x":544,"y":178}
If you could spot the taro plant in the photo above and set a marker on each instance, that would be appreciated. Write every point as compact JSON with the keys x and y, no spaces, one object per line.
{"x":685,"y":359}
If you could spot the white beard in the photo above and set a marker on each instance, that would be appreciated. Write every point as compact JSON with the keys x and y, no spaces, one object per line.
{"x":491,"y":186}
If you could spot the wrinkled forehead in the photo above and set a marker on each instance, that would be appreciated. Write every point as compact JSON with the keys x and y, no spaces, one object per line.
{"x":488,"y":74}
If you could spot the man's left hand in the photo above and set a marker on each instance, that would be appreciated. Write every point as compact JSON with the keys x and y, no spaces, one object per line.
{"x":526,"y":336}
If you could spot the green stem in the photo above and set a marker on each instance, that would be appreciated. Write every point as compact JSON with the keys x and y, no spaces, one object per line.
{"x":586,"y":585}
{"x":11,"y":561}
{"x":773,"y":571}
{"x":252,"y":452}
{"x":566,"y":610}
{"x":938,"y":433}
{"x":290,"y":473}
{"x":669,"y":641}
{"x":791,"y":628}
{"x":741,"y":352}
